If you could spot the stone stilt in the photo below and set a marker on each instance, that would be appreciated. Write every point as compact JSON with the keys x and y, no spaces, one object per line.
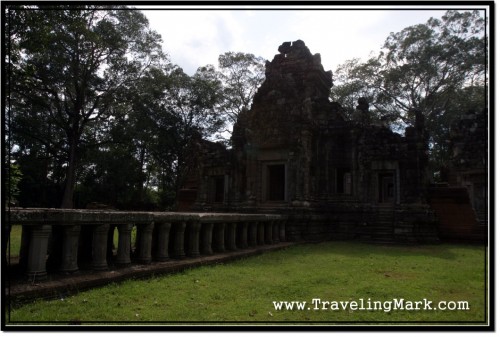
{"x":268,"y":239}
{"x":252,"y":233}
{"x":242,"y":235}
{"x":124,"y":243}
{"x":178,"y":230}
{"x":163,"y":232}
{"x":276,"y":231}
{"x":99,"y":247}
{"x":230,"y":236}
{"x":145,"y":241}
{"x":283,"y":230}
{"x":260,"y":233}
{"x":193,"y":239}
{"x":69,"y":258}
{"x":206,"y":238}
{"x":37,"y":252}
{"x":218,"y":237}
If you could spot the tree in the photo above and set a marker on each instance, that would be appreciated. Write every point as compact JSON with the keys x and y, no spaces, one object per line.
{"x":426,"y":67}
{"x":419,"y":68}
{"x":67,"y":65}
{"x":241,"y":75}
{"x":191,"y":102}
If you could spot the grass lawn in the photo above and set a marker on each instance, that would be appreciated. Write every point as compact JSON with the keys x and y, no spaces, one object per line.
{"x":15,"y":240}
{"x":244,"y":291}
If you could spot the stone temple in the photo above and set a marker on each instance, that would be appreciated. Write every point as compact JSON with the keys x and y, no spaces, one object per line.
{"x":295,"y":152}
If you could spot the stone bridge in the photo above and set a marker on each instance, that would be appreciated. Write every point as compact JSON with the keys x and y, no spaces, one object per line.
{"x":160,"y":236}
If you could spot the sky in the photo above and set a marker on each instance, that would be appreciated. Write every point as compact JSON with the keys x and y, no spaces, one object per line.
{"x":196,"y":37}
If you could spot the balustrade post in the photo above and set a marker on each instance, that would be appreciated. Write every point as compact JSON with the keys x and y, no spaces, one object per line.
{"x":25,"y":245}
{"x":206,"y":238}
{"x":252,"y":233}
{"x":178,"y":239}
{"x":261,"y":233}
{"x":283,"y":231}
{"x":37,"y":252}
{"x":268,"y":239}
{"x":163,"y":239}
{"x":230,"y":236}
{"x":85,"y":246}
{"x":99,"y":247}
{"x":242,"y":235}
{"x":124,"y":239}
{"x":218,"y":237}
{"x":144,"y":242}
{"x":276,"y":231}
{"x":193,"y":239}
{"x":69,"y":259}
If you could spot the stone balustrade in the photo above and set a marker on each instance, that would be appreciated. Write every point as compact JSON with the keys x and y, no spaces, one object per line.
{"x":85,"y":236}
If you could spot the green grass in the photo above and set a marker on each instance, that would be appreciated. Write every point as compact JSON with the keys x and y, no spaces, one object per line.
{"x":15,"y":240}
{"x":244,"y":290}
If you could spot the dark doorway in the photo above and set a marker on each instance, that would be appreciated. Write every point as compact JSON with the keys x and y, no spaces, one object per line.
{"x":387,"y":188}
{"x":276,"y":182}
{"x":219,"y":189}
{"x":344,"y":185}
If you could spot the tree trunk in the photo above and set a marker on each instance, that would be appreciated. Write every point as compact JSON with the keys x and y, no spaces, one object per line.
{"x":69,"y":188}
{"x":55,"y":244}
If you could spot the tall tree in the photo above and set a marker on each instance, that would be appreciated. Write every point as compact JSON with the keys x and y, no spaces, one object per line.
{"x":419,"y":68}
{"x":426,"y":67}
{"x":241,"y":75}
{"x":67,"y":66}
{"x":193,"y":102}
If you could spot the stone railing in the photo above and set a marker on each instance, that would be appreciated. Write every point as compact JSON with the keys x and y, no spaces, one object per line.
{"x":68,"y":236}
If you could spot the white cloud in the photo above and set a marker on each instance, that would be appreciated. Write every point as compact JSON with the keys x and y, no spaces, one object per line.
{"x":195,"y":38}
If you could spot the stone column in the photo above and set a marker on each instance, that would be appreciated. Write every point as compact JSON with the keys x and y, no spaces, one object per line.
{"x":124,"y":239}
{"x":230,"y":236}
{"x":260,"y":233}
{"x":193,"y":239}
{"x":69,"y":259}
{"x":276,"y":231}
{"x":25,"y":245}
{"x":206,"y":238}
{"x":178,"y":230}
{"x":145,"y":241}
{"x":163,"y":239}
{"x":268,"y":239}
{"x":242,"y":234}
{"x":252,"y":233}
{"x":218,"y":237}
{"x":283,"y":231}
{"x":99,"y":247}
{"x":37,"y":252}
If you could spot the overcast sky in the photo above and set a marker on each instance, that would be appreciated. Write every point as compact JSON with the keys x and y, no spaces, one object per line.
{"x":195,"y":38}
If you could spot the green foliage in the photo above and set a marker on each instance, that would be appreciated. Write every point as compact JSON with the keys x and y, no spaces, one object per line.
{"x":241,"y":75}
{"x":244,"y":291}
{"x":427,"y":67}
{"x":14,"y":176}
{"x":66,"y":67}
{"x":97,"y":108}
